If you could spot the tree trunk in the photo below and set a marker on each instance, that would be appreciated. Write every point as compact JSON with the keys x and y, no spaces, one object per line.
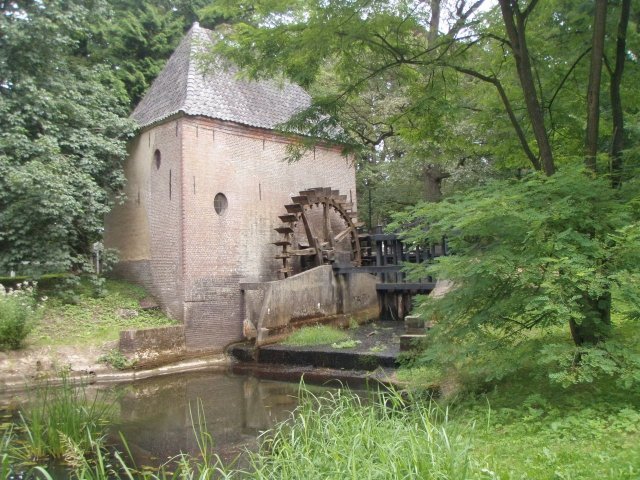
{"x":434,"y":22}
{"x":433,"y":175}
{"x":617,"y":136}
{"x":593,"y":90}
{"x":596,"y":325}
{"x":515,"y":22}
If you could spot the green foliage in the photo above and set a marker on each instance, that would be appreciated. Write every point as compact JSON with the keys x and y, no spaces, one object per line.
{"x":524,"y":427}
{"x":79,"y":317}
{"x":529,"y":427}
{"x":61,"y":421}
{"x":346,"y":344}
{"x":137,"y":38}
{"x":5,"y":449}
{"x":316,"y":335}
{"x":116,"y":359}
{"x":19,"y":312}
{"x":64,"y":127}
{"x":341,"y":436}
{"x":527,"y":254}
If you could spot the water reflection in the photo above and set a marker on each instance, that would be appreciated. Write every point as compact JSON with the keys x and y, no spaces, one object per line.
{"x":156,"y":421}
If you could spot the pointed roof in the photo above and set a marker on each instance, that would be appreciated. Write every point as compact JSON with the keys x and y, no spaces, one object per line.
{"x":184,"y":86}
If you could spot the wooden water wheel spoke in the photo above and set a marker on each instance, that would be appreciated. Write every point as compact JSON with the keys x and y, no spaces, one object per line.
{"x":326,"y":224}
{"x":342,"y":235}
{"x":308,"y":228}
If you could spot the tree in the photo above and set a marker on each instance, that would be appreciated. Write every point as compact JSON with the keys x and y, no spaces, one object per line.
{"x":63,"y":131}
{"x":370,"y":100}
{"x":532,"y":55}
{"x":136,"y":38}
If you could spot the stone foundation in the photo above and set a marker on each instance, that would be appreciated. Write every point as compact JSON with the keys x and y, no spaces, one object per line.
{"x":154,"y":346}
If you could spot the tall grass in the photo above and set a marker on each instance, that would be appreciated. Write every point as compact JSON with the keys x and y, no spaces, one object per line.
{"x":62,"y":418}
{"x":103,"y":465}
{"x":5,"y":459}
{"x":340,"y":437}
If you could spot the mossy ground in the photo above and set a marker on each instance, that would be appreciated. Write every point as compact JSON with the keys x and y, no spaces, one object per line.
{"x":95,"y":320}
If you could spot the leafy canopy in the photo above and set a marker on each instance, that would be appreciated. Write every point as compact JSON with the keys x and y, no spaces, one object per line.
{"x":63,"y":131}
{"x":525,"y":253}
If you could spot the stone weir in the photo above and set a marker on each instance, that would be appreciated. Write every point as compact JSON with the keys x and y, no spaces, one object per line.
{"x":375,"y":345}
{"x":273,"y":309}
{"x":320,"y":295}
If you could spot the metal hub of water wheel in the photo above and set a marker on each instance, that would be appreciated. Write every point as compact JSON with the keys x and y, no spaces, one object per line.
{"x":320,"y":227}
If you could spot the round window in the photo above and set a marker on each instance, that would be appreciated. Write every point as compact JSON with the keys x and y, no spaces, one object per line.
{"x":156,"y":159}
{"x":220,"y":203}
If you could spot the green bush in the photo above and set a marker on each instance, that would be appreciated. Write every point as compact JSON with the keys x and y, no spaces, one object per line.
{"x":19,"y":311}
{"x":46,"y":282}
{"x":531,"y":257}
{"x":116,"y":359}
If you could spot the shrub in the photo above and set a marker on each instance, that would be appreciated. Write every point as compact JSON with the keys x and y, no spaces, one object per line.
{"x":529,"y":257}
{"x":116,"y":359}
{"x":19,"y":310}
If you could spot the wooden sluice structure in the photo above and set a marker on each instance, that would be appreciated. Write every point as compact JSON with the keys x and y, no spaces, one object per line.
{"x":383,"y":254}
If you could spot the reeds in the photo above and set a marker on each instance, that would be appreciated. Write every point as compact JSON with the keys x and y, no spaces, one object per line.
{"x":62,"y":418}
{"x":340,"y":437}
{"x":5,"y":459}
{"x":335,"y":436}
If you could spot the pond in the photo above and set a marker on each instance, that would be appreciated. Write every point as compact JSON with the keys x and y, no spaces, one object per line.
{"x":156,"y":415}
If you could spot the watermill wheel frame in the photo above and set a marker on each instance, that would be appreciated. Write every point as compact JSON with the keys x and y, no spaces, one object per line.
{"x":322,"y":244}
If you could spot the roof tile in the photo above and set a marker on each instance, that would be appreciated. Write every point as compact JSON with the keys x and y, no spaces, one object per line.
{"x":184,"y":86}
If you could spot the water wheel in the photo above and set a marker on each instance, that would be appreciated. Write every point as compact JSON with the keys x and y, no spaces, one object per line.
{"x":320,"y":227}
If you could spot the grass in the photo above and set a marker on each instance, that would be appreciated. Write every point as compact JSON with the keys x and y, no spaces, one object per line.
{"x":116,"y":359}
{"x":346,"y":344}
{"x":341,"y":437}
{"x":316,"y":335}
{"x":62,"y":420}
{"x":516,"y":431}
{"x":529,"y":427}
{"x":95,"y":320}
{"x":5,"y":457}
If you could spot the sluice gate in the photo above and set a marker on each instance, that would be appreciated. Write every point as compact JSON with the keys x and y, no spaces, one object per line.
{"x":384,"y":255}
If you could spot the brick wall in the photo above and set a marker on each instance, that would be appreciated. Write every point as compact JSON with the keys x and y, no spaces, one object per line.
{"x":146,"y":228}
{"x":248,"y":167}
{"x":170,"y":236}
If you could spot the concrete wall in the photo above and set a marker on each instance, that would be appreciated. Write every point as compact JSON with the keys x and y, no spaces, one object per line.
{"x":151,"y":346}
{"x":273,"y":307}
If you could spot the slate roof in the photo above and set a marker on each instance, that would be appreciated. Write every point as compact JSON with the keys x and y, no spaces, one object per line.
{"x":184,"y":86}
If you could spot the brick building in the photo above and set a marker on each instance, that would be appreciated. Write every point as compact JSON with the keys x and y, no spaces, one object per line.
{"x":207,"y":181}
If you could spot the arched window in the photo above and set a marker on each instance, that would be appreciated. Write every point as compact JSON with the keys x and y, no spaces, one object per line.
{"x":156,"y":159}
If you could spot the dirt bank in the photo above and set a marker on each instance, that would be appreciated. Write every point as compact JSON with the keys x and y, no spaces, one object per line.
{"x":21,"y":368}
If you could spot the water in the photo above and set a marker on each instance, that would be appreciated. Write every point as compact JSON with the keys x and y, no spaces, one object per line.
{"x":155,"y":415}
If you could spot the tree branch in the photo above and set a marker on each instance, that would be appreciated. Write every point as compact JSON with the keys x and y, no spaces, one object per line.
{"x":509,"y":109}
